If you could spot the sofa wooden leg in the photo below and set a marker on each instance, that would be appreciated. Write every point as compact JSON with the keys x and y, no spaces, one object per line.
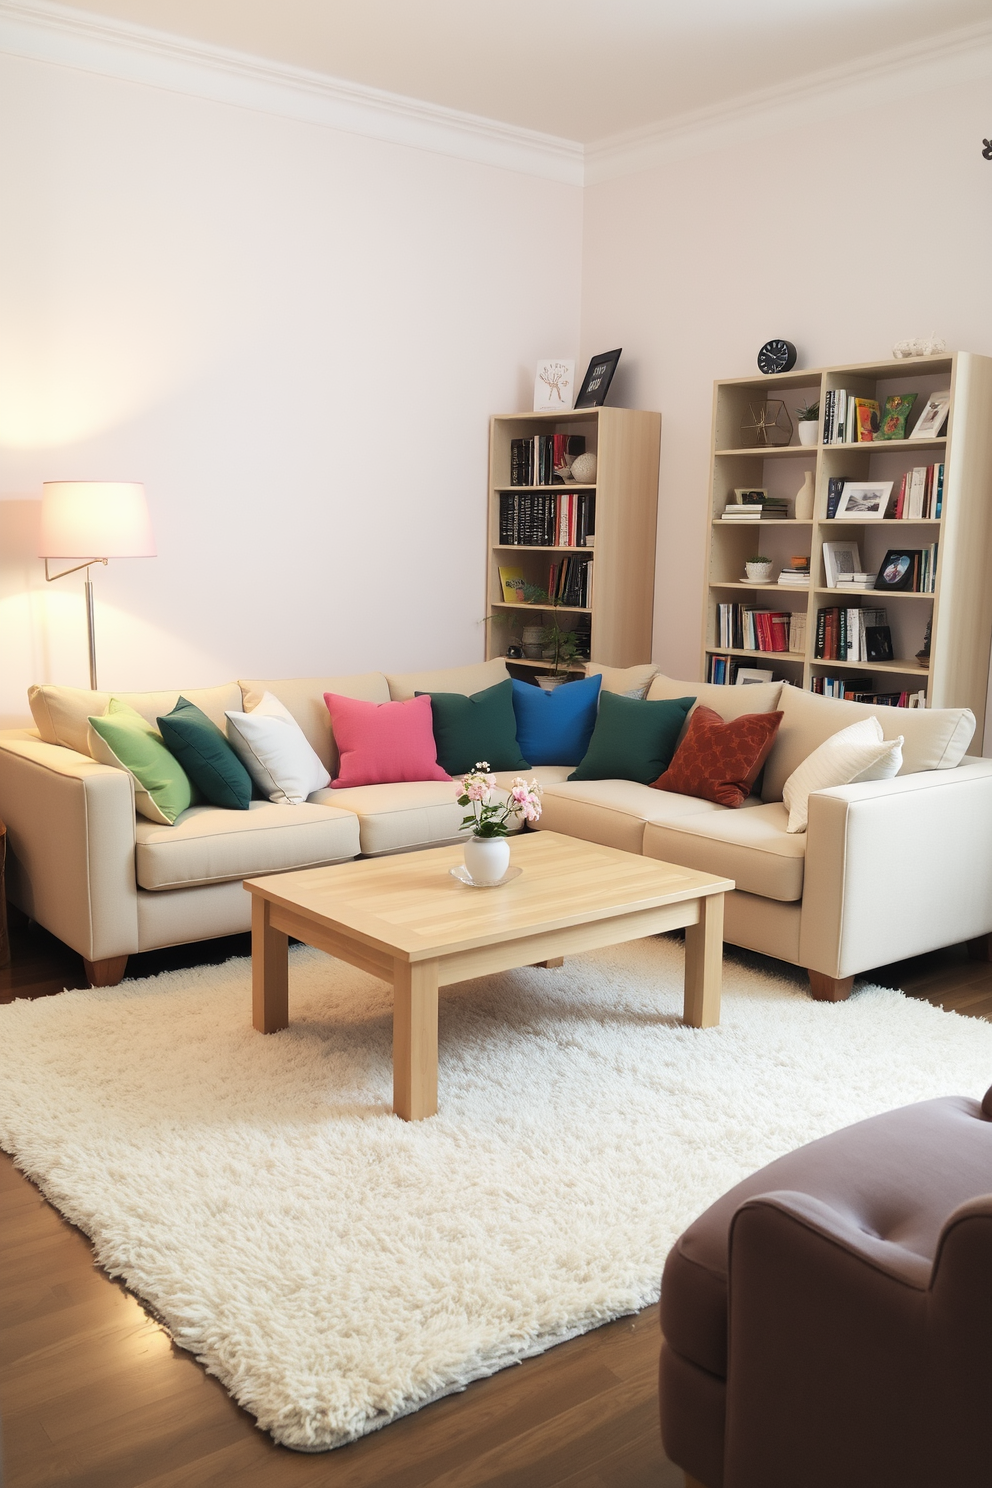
{"x":105,"y":973}
{"x":823,"y":988}
{"x":980,"y":949}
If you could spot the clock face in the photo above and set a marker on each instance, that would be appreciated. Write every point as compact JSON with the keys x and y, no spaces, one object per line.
{"x":777,"y":356}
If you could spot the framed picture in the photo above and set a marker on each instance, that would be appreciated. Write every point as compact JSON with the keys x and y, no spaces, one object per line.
{"x":864,"y":499}
{"x":748,"y":676}
{"x":838,"y":558}
{"x":898,"y":569}
{"x":596,"y":383}
{"x":750,"y":495}
{"x":931,"y":420}
{"x":878,"y":643}
{"x":554,"y":386}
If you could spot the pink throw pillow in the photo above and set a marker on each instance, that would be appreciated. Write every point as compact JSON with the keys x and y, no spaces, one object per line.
{"x":383,"y":743}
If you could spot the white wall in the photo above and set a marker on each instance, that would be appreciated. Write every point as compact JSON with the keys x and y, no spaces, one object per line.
{"x":295,"y":338}
{"x":843,"y":237}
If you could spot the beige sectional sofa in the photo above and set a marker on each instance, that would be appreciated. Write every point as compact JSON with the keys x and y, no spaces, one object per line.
{"x":886,"y":870}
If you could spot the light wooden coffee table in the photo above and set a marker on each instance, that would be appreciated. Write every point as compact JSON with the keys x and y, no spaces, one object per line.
{"x":406,"y":920}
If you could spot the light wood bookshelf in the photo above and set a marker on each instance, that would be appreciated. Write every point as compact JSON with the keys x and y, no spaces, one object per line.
{"x":627,"y":445}
{"x":960,"y":609}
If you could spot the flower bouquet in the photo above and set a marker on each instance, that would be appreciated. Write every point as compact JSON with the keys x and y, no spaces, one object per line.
{"x":487,"y":852}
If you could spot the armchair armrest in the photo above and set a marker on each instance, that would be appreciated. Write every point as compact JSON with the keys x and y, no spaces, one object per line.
{"x":897,"y":867}
{"x":70,"y":833}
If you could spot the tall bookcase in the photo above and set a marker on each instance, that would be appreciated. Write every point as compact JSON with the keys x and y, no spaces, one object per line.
{"x":626,"y":443}
{"x":959,"y":609}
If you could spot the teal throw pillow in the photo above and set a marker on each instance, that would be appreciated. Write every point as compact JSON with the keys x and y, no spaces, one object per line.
{"x":633,"y":739}
{"x":480,"y":727}
{"x":206,"y":756}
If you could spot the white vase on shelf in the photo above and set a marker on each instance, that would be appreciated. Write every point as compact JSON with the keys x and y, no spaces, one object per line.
{"x":809,"y":431}
{"x":487,"y":859}
{"x":804,"y":498}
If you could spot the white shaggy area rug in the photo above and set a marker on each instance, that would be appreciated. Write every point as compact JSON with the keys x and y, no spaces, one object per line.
{"x":336,"y":1267}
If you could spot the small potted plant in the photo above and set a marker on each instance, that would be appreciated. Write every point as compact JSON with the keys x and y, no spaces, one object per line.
{"x":758,"y":569}
{"x":809,"y":423}
{"x":560,"y":646}
{"x":487,"y":851}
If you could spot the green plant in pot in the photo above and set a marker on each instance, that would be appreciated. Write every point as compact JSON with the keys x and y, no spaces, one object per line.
{"x":758,"y":568}
{"x":562,"y":644}
{"x":808,"y":417}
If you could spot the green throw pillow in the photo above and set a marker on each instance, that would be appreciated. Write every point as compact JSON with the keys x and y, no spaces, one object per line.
{"x":480,"y":727}
{"x":633,"y":739}
{"x":123,"y":738}
{"x":206,"y":756}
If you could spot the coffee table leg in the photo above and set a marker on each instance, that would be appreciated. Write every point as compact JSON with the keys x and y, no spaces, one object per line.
{"x":704,"y":964}
{"x":415,"y":1039}
{"x":269,"y":970}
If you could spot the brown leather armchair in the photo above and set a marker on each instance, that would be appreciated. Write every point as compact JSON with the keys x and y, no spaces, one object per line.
{"x":828,"y":1322}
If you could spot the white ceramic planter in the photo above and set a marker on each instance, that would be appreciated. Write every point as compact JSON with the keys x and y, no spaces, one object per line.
{"x":487,"y":858}
{"x":809,"y":431}
{"x":760,"y":573}
{"x":550,"y":683}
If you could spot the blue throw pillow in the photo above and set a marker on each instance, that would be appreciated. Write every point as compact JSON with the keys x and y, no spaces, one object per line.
{"x":554,"y":728}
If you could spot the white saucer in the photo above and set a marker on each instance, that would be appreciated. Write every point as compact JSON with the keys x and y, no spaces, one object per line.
{"x":755,"y":582}
{"x":463,"y":876}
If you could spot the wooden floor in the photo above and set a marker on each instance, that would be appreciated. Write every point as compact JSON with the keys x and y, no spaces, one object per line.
{"x":94,"y":1395}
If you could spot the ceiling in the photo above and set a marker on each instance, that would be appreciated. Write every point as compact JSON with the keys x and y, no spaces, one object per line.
{"x":579,"y":69}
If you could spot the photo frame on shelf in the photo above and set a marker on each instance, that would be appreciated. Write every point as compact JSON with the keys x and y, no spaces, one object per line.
{"x":838,"y":558}
{"x":864,"y":500}
{"x":750,"y":495}
{"x":749,"y":676}
{"x":554,"y":386}
{"x":933,"y":417}
{"x":878,"y":643}
{"x":898,"y":570}
{"x":596,"y":383}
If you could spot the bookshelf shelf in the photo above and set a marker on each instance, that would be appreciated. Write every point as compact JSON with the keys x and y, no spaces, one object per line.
{"x":624,"y":501}
{"x":959,"y":610}
{"x":750,"y":523}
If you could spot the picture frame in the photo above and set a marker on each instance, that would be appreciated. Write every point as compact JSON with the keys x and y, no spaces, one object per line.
{"x":933,"y":417}
{"x":898,"y":569}
{"x":596,"y":383}
{"x":750,"y":495}
{"x":864,"y":500}
{"x":838,"y":558}
{"x":878,"y":643}
{"x":554,"y":385}
{"x":749,"y":676}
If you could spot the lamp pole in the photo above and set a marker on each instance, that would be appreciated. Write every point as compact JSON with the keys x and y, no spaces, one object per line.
{"x":90,"y":617}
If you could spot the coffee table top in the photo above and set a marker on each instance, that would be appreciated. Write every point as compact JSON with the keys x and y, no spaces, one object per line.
{"x":409,"y":905}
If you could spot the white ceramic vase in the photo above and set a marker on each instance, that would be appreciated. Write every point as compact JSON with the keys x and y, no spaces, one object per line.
{"x":487,"y":859}
{"x":759,"y":573}
{"x":809,"y":431}
{"x":804,"y":498}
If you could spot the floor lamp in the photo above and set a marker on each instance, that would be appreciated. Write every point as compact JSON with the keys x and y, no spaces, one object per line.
{"x":80,"y":518}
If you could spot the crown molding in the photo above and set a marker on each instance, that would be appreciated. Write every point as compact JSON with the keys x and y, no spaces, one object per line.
{"x":911,"y":71}
{"x":46,"y":32}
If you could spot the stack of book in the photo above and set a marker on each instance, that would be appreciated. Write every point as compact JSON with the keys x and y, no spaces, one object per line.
{"x":537,"y":461}
{"x":746,"y":628}
{"x":859,"y":690}
{"x":855,"y":581}
{"x":570,"y":583}
{"x":753,"y":511}
{"x":921,"y":493}
{"x":852,"y":635}
{"x":566,"y":519}
{"x":795,"y":573}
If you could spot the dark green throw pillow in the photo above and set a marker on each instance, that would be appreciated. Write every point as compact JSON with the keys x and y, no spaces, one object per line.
{"x":206,"y":756}
{"x":633,"y":739}
{"x":480,"y":727}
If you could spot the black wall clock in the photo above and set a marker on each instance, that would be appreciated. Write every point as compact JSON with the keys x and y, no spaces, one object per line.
{"x":777,"y":356}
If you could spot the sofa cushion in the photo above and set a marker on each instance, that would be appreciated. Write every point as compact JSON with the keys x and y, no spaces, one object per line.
{"x":628,"y":681}
{"x":408,"y":814}
{"x":853,"y":754}
{"x":476,"y":730}
{"x":545,"y":775}
{"x":555,"y":726}
{"x":122,"y":738}
{"x":613,"y":812}
{"x":729,"y":702}
{"x":206,"y":756}
{"x":720,"y":760}
{"x":274,"y":750}
{"x":62,"y":713}
{"x":210,"y":845}
{"x":633,"y":739}
{"x":382,"y":743}
{"x":463,"y":679}
{"x":304,"y":697}
{"x":933,"y":738}
{"x":752,"y":847}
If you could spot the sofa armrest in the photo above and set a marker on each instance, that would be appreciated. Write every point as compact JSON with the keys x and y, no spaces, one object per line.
{"x":70,"y":833}
{"x":897,"y":867}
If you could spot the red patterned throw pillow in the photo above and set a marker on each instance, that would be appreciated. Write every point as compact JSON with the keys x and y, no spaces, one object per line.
{"x":720,"y":761}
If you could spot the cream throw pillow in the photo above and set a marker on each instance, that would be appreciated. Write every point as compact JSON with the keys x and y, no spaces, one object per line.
{"x":856,"y":753}
{"x":274,"y":750}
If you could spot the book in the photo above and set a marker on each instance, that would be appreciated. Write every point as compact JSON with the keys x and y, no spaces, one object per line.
{"x":512,"y":584}
{"x":866,"y":416}
{"x":835,"y":490}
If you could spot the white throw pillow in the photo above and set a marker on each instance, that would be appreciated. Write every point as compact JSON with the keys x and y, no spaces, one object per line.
{"x":274,"y":750}
{"x":855,"y":753}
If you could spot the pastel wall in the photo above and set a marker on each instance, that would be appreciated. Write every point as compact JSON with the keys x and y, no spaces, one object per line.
{"x":295,"y":337}
{"x":844,"y":235}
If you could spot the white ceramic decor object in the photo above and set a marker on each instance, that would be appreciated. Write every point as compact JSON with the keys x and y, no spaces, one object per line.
{"x":584,"y":469}
{"x":809,"y":430}
{"x":487,"y":858}
{"x":759,"y":572}
{"x":804,"y":498}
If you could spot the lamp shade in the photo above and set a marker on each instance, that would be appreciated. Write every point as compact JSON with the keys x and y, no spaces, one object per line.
{"x":95,"y":519}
